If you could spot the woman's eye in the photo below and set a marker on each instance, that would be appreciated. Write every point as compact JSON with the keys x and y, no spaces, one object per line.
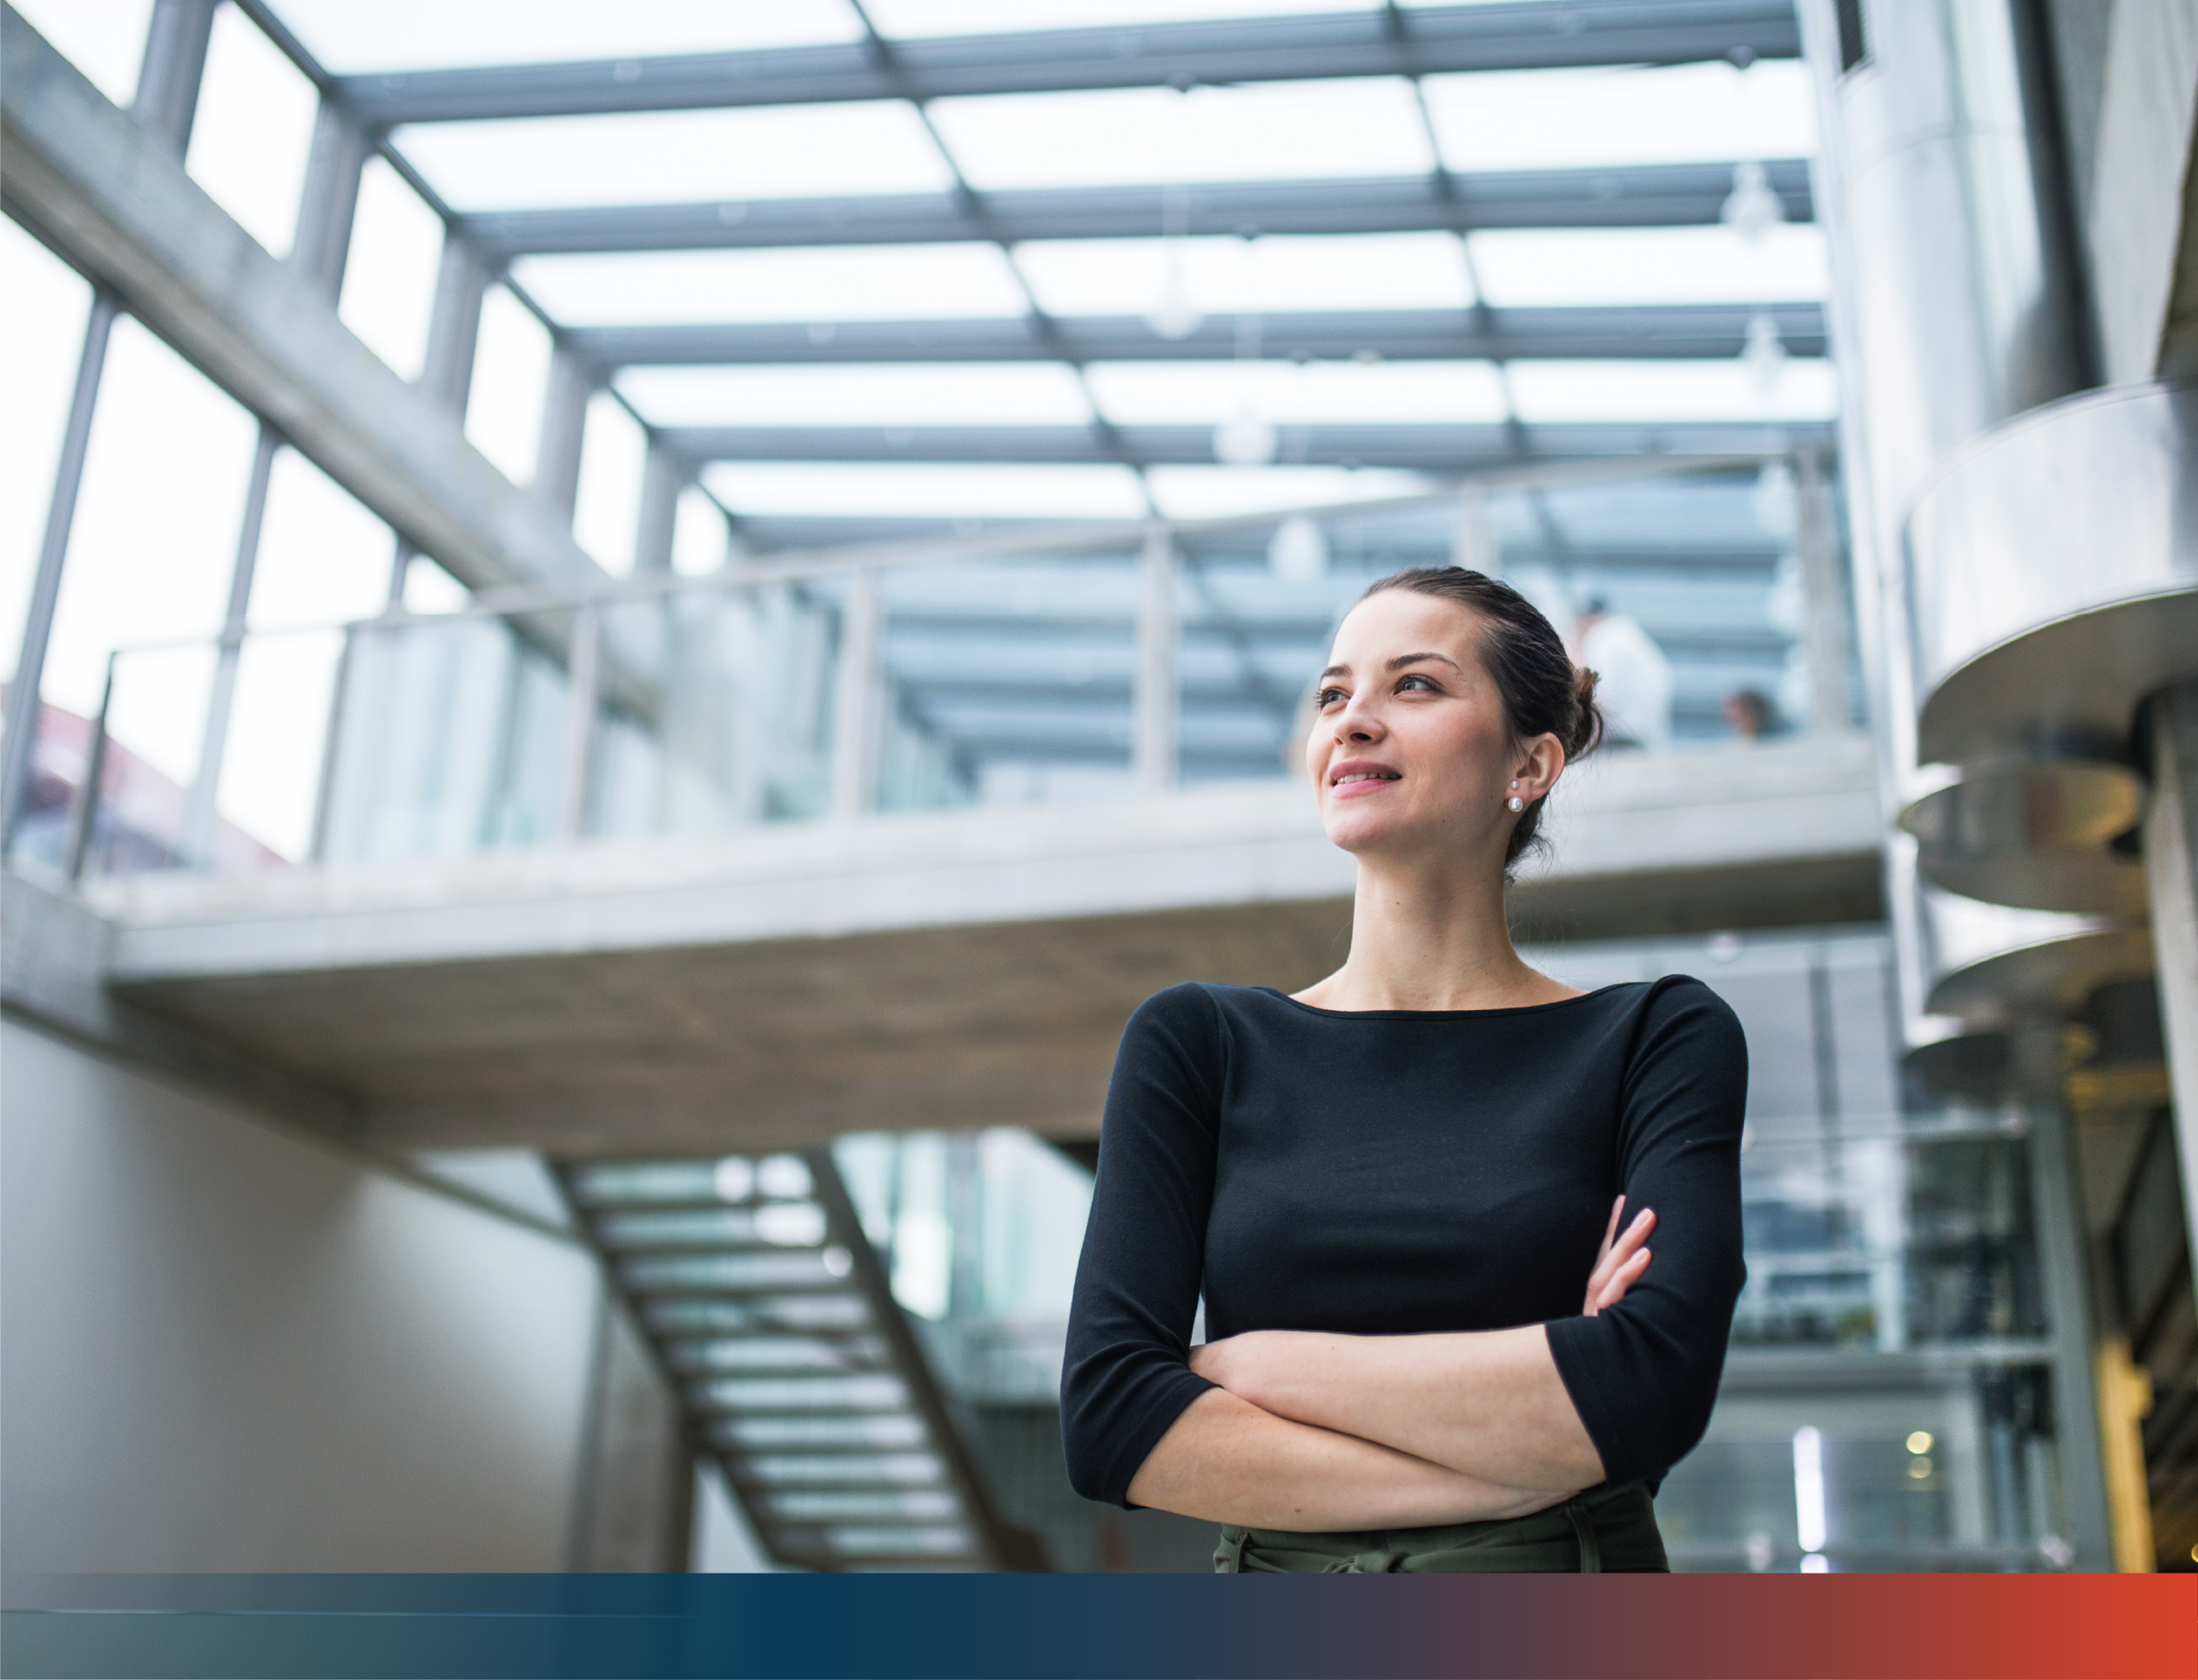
{"x":1327,"y":697}
{"x":1407,"y":682}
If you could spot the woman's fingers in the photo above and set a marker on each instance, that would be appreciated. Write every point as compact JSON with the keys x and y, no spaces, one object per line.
{"x":1615,"y":1252}
{"x":1610,"y":1230}
{"x":1614,"y":1291}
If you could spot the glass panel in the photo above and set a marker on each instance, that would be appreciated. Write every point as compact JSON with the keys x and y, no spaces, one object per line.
{"x":1557,"y":266}
{"x":888,"y":394}
{"x":1223,"y":492}
{"x":1273,"y":131}
{"x":818,"y":286}
{"x":103,"y":39}
{"x":389,"y":277}
{"x":953,"y":491}
{"x":1571,"y":118}
{"x":253,"y":131}
{"x":429,"y":35}
{"x":1650,"y":391}
{"x":451,"y":737}
{"x":601,"y":1183}
{"x":679,"y":157}
{"x":1284,"y":393}
{"x":156,"y":729}
{"x":607,"y":515}
{"x":48,"y":304}
{"x":511,"y":375}
{"x":910,"y":19}
{"x":700,"y":537}
{"x":1277,"y":275}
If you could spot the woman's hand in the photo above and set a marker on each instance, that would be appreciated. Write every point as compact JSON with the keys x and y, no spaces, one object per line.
{"x":1620,"y":1261}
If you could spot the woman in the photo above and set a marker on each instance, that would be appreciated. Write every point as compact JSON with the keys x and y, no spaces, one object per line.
{"x":1438,"y":1342}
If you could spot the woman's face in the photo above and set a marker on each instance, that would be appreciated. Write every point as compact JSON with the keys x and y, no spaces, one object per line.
{"x":1408,"y":752}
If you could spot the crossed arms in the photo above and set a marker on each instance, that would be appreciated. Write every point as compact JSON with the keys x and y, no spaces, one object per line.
{"x":1317,"y":1432}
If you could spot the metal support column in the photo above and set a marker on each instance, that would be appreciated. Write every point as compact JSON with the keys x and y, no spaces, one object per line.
{"x":580,"y":722}
{"x":662,"y":478}
{"x":446,"y":373}
{"x":2056,"y":1208}
{"x":1824,"y":596}
{"x":46,"y":585}
{"x":1156,"y":726}
{"x":2171,"y":867}
{"x":330,"y":204}
{"x":201,"y":811}
{"x":564,"y":426}
{"x":175,"y":39}
{"x":858,"y":707}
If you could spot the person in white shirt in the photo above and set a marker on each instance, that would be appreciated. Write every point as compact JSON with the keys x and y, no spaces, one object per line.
{"x":1634,"y":678}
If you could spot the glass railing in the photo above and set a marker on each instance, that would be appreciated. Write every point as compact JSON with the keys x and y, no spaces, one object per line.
{"x":1049,"y":665}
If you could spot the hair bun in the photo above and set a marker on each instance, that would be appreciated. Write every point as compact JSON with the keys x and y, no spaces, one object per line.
{"x":1587,"y":728}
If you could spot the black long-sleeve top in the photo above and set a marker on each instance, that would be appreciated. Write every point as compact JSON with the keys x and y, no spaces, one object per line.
{"x":1391,"y":1172}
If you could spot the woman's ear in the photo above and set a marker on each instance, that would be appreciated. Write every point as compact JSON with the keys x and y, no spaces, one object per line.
{"x":1539,"y":765}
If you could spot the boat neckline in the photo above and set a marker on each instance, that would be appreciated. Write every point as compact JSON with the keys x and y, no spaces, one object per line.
{"x":1439,"y":1014}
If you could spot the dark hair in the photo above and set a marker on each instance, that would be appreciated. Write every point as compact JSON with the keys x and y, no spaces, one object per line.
{"x":1543,"y":691}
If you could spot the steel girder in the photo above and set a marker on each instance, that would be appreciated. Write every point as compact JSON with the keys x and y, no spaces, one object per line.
{"x":1632,"y":195}
{"x":1533,"y":34}
{"x":1436,"y":448}
{"x":1684,"y":332}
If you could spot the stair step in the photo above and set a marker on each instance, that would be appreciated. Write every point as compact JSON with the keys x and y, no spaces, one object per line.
{"x":691,"y":1315}
{"x":857,"y":1432}
{"x":780,"y":1224}
{"x":881,"y":1391}
{"x":760,"y":1353}
{"x":896,"y":1469}
{"x":730,"y":1274}
{"x":830,"y":1505}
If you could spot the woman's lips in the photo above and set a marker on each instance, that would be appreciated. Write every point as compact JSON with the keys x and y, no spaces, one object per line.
{"x":1357,"y":784}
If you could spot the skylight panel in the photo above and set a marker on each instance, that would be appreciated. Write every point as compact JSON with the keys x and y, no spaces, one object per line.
{"x":1274,"y":131}
{"x":1580,"y":119}
{"x":253,"y":131}
{"x":908,"y":20}
{"x":1651,"y":265}
{"x":350,"y":38}
{"x":1164,"y":393}
{"x":912,"y":492}
{"x":819,"y":284}
{"x":679,"y":157}
{"x":1676,"y":392}
{"x":1016,"y":393}
{"x":395,"y":257}
{"x":1221,"y":493}
{"x":105,"y":39}
{"x":1275,"y":276}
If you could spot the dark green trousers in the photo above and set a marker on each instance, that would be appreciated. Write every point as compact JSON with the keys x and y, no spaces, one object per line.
{"x":1603,"y":1530}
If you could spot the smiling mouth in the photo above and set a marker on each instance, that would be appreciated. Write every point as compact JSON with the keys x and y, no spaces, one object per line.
{"x":1367,"y":775}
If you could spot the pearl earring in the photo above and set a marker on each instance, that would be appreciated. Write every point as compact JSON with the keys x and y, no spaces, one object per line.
{"x":1514,"y":802}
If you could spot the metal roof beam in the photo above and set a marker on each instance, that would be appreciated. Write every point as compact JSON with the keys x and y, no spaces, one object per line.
{"x":1436,"y":448}
{"x":1531,"y":35}
{"x":1688,"y":332}
{"x":1633,"y":195}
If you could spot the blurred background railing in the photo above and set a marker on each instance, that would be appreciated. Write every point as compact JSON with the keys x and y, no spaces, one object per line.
{"x":1000,"y":671}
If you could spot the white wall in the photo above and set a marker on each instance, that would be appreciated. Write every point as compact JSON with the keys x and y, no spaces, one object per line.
{"x":224,"y":1349}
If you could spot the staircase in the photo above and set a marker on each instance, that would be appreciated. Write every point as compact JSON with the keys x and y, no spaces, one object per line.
{"x":800,"y":1373}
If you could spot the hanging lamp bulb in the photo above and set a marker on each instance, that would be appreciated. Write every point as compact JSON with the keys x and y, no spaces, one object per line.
{"x":1752,"y":209}
{"x":1775,"y":502}
{"x":1173,"y":317}
{"x":1246,"y":440}
{"x":1298,"y":551}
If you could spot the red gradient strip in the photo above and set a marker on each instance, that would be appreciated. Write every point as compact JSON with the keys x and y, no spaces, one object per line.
{"x":1812,"y":1627}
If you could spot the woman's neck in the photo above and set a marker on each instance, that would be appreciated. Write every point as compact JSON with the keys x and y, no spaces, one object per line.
{"x":1431,"y":939}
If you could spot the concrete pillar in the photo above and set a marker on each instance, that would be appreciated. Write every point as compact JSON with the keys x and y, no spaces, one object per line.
{"x":662,"y":478}
{"x":564,"y":426}
{"x":1156,"y":728}
{"x":1824,"y":593}
{"x":167,"y":100}
{"x":583,"y":671}
{"x":330,"y":204}
{"x":631,"y":1510}
{"x":860,"y":702}
{"x":454,"y":329}
{"x":2170,"y":864}
{"x":201,"y":811}
{"x":46,"y":582}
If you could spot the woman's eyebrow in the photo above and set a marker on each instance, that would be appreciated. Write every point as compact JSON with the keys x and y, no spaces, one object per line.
{"x":1404,"y":660}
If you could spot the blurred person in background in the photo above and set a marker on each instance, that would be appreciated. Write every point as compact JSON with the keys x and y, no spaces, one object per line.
{"x":1633,"y":683}
{"x":1749,"y":714}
